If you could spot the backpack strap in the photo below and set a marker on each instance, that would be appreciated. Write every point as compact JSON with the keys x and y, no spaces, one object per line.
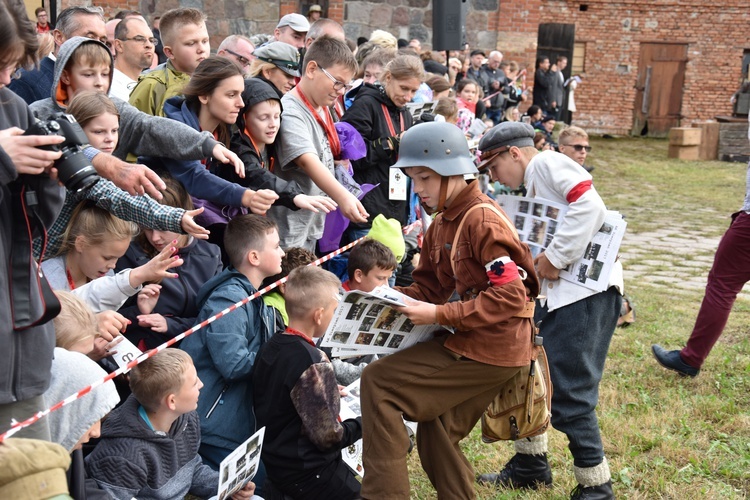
{"x":488,"y":206}
{"x":528,"y":310}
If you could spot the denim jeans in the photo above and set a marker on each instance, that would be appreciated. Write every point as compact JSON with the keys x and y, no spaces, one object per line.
{"x":496,"y":115}
{"x":576,"y":338}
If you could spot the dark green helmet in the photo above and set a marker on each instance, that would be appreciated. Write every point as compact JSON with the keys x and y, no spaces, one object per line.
{"x":439,"y":146}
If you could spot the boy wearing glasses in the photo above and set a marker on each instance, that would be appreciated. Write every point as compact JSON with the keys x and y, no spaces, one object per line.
{"x":185,"y":38}
{"x":308,"y":143}
{"x":576,"y":323}
{"x":134,"y":46}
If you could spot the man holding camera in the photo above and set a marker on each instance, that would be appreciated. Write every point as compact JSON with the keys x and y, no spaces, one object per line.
{"x":26,"y":334}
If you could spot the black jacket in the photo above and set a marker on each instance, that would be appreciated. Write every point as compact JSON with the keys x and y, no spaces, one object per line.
{"x":366,"y":115}
{"x":177,"y":299}
{"x":26,"y":356}
{"x":257,"y":175}
{"x":543,"y":81}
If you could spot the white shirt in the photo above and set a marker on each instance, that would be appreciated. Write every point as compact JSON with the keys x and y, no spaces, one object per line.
{"x":551,"y":175}
{"x":122,"y":85}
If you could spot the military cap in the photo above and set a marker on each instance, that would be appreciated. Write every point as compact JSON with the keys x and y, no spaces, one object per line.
{"x":502,"y":137}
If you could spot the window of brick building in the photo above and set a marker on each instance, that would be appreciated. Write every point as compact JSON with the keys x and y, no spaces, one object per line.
{"x":577,"y":66}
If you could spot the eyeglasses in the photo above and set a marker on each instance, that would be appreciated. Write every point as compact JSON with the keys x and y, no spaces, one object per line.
{"x":337,"y":84}
{"x":244,"y":61}
{"x":579,"y":147}
{"x":142,"y":40}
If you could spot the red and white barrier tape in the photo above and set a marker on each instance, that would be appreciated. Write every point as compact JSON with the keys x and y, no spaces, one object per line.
{"x":17,"y":426}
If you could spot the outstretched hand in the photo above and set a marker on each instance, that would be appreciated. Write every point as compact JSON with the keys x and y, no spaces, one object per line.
{"x":224,"y":155}
{"x":193,"y":228}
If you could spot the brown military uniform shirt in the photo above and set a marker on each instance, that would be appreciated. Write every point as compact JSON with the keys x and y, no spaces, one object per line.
{"x":484,"y":318}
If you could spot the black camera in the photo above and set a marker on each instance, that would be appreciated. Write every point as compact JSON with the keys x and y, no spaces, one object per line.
{"x":73,"y":167}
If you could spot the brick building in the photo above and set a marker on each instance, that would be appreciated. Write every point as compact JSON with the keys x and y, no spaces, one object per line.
{"x":684,"y":58}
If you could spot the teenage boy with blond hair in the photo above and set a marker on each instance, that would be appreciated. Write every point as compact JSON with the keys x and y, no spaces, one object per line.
{"x":186,"y":44}
{"x":308,"y":143}
{"x":149,"y":445}
{"x":225,"y":351}
{"x":298,"y":401}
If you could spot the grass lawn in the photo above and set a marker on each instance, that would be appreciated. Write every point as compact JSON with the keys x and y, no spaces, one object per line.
{"x":664,"y":436}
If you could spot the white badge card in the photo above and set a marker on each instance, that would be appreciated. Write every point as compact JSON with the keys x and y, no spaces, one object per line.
{"x":396,"y":185}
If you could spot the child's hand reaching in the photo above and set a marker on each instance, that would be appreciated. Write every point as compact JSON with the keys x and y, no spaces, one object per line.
{"x":315,"y":203}
{"x":156,"y":269}
{"x":148,"y":297}
{"x":193,"y":228}
{"x":111,"y":324}
{"x":156,"y":322}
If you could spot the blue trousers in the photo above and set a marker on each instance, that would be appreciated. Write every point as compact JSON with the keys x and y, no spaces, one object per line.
{"x":576,"y":338}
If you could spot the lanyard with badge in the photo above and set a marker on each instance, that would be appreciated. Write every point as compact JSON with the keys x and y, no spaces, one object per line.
{"x":397,"y":185}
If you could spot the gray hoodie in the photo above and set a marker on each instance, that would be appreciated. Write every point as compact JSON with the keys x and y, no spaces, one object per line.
{"x":140,"y":134}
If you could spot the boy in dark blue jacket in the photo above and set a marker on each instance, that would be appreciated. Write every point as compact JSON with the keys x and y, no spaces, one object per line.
{"x":224,"y":352}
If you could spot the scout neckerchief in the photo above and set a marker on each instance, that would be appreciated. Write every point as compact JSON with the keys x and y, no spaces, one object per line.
{"x":327,"y":124}
{"x":260,"y":154}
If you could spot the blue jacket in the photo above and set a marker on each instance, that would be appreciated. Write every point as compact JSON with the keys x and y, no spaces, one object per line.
{"x":196,"y":178}
{"x":224,"y":354}
{"x":202,"y":261}
{"x":35,"y":84}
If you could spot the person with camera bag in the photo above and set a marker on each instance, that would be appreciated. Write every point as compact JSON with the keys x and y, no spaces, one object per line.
{"x":30,"y":200}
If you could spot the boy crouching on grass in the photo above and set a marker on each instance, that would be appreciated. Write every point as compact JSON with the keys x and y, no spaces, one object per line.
{"x":149,"y":445}
{"x":298,"y":401}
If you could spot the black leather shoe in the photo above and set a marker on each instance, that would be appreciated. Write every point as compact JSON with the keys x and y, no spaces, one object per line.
{"x":521,"y":471}
{"x":599,"y":492}
{"x":672,"y":360}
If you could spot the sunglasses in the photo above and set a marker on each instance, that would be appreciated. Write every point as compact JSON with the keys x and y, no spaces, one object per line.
{"x":578,"y":147}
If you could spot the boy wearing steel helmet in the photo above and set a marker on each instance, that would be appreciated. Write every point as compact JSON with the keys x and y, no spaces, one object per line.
{"x":445,"y":384}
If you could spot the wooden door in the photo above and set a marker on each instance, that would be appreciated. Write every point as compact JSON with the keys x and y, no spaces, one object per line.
{"x":658,"y":97}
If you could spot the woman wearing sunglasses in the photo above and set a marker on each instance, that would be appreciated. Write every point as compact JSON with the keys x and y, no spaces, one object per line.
{"x":276,"y":64}
{"x":379,"y":113}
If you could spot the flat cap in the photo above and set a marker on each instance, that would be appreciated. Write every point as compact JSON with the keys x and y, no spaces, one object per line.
{"x":502,"y":137}
{"x":476,"y":52}
{"x":282,"y":55}
{"x":297,"y":22}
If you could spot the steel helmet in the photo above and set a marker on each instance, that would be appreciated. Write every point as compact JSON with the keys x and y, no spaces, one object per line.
{"x":439,"y":146}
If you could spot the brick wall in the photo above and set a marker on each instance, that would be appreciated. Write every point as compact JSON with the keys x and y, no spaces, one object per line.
{"x":613,"y":30}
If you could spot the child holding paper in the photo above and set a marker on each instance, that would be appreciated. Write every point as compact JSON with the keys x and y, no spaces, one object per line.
{"x":298,"y":401}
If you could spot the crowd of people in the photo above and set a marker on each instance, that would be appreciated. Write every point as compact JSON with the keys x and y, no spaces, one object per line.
{"x":197,"y":179}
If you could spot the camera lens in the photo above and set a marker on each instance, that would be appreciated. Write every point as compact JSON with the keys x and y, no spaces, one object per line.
{"x":75,"y":170}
